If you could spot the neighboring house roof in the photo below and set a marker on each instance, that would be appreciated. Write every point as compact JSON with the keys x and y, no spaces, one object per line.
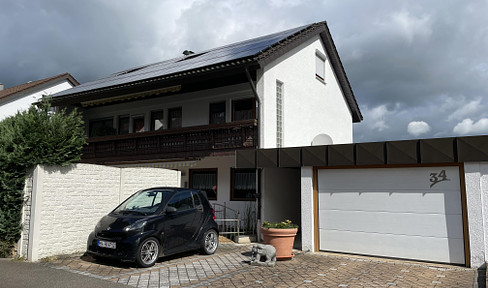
{"x":254,"y":53}
{"x":24,"y":87}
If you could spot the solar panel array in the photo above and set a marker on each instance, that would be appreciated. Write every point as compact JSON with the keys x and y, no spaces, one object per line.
{"x":231,"y":52}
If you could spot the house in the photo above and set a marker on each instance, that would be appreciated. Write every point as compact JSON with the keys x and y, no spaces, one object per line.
{"x":420,"y":199}
{"x":192,"y":113}
{"x":21,"y":97}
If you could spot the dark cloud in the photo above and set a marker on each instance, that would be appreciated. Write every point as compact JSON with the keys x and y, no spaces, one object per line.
{"x":408,"y":62}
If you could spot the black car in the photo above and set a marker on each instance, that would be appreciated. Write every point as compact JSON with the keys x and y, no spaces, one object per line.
{"x":156,"y":222}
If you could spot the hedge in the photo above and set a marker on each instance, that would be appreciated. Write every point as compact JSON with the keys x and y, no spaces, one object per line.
{"x":39,"y":135}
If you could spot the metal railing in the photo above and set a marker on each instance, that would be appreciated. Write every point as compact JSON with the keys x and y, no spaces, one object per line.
{"x":229,"y":221}
{"x":233,"y":224}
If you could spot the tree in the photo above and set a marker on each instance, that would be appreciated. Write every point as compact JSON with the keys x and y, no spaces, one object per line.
{"x":36,"y":136}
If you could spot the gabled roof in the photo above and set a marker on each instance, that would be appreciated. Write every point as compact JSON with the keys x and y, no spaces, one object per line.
{"x":24,"y":87}
{"x":255,"y":52}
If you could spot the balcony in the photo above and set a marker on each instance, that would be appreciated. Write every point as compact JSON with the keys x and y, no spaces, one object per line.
{"x":183,"y":143}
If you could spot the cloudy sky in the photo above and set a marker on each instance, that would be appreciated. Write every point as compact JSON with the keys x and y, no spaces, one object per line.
{"x":419,"y":69}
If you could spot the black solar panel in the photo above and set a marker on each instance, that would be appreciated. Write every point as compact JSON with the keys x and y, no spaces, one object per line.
{"x":210,"y":57}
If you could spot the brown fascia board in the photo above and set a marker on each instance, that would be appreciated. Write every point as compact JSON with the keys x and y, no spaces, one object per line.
{"x":166,"y":80}
{"x":286,"y":45}
{"x":320,"y":28}
{"x":72,"y":79}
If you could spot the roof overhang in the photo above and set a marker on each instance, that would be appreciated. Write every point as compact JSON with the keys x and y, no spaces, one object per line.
{"x":435,"y":151}
{"x":188,"y":81}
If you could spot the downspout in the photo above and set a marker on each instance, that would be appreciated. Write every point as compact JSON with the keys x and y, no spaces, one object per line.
{"x":258,"y":188}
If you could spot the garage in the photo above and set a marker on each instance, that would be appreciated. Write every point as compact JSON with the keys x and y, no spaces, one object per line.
{"x":404,"y":212}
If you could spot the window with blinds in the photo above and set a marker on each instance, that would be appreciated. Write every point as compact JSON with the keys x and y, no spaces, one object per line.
{"x":320,"y":66}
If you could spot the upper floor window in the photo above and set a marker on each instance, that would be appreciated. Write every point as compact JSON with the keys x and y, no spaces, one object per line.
{"x":101,"y":127}
{"x":138,"y":124}
{"x":206,"y":180}
{"x":175,"y":117}
{"x":217,"y":113}
{"x":124,"y":124}
{"x":243,"y":109}
{"x":157,"y":120}
{"x":319,"y":66}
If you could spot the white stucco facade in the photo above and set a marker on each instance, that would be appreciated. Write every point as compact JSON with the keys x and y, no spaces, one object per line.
{"x":307,"y":209}
{"x":21,"y":101}
{"x":310,"y":106}
{"x":476,"y":178}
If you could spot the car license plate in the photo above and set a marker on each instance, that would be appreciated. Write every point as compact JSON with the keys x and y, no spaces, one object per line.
{"x":106,"y":244}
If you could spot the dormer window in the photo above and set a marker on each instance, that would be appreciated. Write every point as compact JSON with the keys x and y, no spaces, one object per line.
{"x":320,"y":66}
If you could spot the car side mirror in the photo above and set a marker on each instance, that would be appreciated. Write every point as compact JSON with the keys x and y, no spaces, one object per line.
{"x":171,"y":209}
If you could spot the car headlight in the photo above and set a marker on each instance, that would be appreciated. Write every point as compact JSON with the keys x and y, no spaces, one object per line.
{"x":135,"y":226}
{"x":98,"y":226}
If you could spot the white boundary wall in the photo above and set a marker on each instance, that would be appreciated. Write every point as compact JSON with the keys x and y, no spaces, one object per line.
{"x":63,"y":204}
{"x":476,"y":179}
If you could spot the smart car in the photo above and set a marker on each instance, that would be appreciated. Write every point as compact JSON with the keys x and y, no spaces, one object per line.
{"x":156,"y":222}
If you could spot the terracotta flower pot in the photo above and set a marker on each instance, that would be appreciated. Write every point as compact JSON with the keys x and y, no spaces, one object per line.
{"x":281,"y":239}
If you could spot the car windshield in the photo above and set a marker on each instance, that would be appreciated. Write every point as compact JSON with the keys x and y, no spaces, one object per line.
{"x":144,"y":202}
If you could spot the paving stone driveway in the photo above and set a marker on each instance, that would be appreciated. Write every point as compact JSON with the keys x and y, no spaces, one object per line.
{"x":229,"y":268}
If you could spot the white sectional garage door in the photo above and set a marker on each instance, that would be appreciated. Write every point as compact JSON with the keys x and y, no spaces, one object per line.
{"x":412,"y":213}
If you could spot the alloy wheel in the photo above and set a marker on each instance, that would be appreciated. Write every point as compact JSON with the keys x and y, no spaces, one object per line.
{"x":149,"y":252}
{"x":211,"y":242}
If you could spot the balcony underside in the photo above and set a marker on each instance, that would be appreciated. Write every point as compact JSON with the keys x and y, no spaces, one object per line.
{"x":184,"y":143}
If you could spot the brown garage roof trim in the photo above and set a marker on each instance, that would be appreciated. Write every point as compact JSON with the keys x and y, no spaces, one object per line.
{"x":405,"y":152}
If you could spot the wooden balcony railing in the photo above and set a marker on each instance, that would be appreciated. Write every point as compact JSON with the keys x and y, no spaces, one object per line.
{"x":190,"y":142}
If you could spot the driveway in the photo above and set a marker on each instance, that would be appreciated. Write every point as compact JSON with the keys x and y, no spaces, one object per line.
{"x":229,"y":267}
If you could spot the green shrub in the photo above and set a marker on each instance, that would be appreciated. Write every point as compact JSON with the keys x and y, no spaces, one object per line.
{"x":5,"y":249}
{"x":35,"y":136}
{"x":287,"y":224}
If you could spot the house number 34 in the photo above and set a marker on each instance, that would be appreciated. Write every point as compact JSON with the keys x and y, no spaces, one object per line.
{"x":438,"y":177}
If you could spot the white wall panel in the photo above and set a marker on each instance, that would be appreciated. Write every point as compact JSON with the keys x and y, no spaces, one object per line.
{"x":394,"y":212}
{"x":399,"y":246}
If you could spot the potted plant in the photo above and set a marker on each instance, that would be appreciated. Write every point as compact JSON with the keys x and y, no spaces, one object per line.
{"x":281,"y":235}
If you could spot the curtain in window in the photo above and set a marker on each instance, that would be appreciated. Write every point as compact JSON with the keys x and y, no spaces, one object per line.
{"x":245,"y":181}
{"x":204,"y":181}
